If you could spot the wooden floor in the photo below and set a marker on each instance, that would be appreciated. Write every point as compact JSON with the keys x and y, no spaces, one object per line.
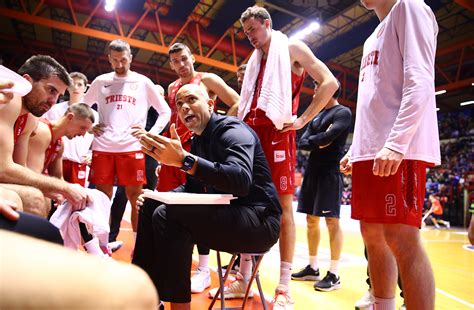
{"x":452,"y":262}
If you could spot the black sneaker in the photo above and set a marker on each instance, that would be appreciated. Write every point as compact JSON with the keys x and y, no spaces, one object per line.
{"x":306,"y":274}
{"x":235,"y":267}
{"x":330,"y":283}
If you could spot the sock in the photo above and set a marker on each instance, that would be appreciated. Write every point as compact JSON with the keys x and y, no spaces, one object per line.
{"x":93,"y":248}
{"x":246,"y":266}
{"x":313,"y":262}
{"x":384,"y":303}
{"x":285,"y":273}
{"x":203,"y":264}
{"x":334,"y":267}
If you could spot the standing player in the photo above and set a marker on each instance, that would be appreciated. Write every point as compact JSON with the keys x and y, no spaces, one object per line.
{"x":269,"y":100}
{"x":395,"y":139}
{"x":76,"y":151}
{"x":321,"y":191}
{"x":123,"y":98}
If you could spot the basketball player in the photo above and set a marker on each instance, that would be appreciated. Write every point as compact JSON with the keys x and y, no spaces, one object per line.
{"x":123,"y":98}
{"x":395,"y":139}
{"x":269,"y":100}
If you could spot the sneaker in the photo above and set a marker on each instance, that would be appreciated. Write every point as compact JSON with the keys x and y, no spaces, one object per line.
{"x":106,"y":250}
{"x":306,"y":274}
{"x":403,"y":307}
{"x":367,"y":301}
{"x":235,"y":289}
{"x":330,"y":282}
{"x":200,"y":281}
{"x":448,"y":225}
{"x":282,"y":300}
{"x":115,"y":245}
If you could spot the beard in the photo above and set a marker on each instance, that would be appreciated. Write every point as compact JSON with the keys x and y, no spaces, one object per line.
{"x":37,"y":109}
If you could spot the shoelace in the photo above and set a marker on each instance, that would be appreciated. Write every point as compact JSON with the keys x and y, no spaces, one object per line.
{"x":280,"y":302}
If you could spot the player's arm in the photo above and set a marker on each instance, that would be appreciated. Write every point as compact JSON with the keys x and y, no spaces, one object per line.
{"x":417,"y":44}
{"x":20,"y":149}
{"x":327,"y":83}
{"x":157,"y":101}
{"x":37,"y":146}
{"x":55,"y":168}
{"x":225,"y":93}
{"x":342,"y":120}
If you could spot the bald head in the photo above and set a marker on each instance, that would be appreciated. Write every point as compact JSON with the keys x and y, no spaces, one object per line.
{"x":194,"y":89}
{"x":194,"y":107}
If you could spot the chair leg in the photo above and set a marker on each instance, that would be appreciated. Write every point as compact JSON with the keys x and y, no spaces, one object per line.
{"x":222,"y":280}
{"x":256,"y":265}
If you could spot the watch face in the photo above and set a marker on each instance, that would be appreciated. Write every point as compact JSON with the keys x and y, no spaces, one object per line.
{"x":188,"y":163}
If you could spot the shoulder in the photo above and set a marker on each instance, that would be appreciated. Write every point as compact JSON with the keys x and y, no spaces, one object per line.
{"x":234,"y":129}
{"x":411,"y":7}
{"x":42,"y":132}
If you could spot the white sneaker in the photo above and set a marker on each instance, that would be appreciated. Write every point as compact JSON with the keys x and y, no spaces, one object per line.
{"x":236,"y":289}
{"x":200,"y":281}
{"x":282,"y":299}
{"x":115,"y":245}
{"x":366,"y":302}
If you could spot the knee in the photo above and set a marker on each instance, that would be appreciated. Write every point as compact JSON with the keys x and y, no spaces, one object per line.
{"x":402,"y":239}
{"x":33,"y":201}
{"x":11,"y":196}
{"x":287,"y":219}
{"x":159,"y":217}
{"x":372,"y":234}
{"x":332,"y":223}
{"x":312,"y":222}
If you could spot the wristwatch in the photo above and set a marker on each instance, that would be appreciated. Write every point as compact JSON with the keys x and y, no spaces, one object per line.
{"x":188,"y":163}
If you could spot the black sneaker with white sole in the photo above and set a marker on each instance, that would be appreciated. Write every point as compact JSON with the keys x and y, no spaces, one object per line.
{"x":306,"y":274}
{"x":330,"y":282}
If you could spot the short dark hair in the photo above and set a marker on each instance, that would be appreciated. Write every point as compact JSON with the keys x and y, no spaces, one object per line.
{"x":41,"y":67}
{"x":119,"y":46}
{"x":242,"y":67}
{"x":78,"y":75}
{"x":256,"y":12}
{"x":178,"y":47}
{"x":81,"y":110}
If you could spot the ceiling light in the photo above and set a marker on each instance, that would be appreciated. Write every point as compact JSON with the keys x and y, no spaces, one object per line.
{"x":440,"y":92}
{"x":306,"y":31}
{"x":466,"y":103}
{"x":110,"y":5}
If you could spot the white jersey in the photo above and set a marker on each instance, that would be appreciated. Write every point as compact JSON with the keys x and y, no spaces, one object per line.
{"x":396,"y":105}
{"x":77,"y":148}
{"x":122,"y":103}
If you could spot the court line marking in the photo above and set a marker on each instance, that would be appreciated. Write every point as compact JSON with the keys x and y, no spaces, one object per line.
{"x":455,"y":298}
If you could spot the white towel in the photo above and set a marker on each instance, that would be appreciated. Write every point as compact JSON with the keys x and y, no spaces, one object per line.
{"x":275,"y":95}
{"x":95,"y":216}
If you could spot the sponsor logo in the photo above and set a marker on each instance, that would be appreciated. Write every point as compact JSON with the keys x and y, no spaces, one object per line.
{"x":324,"y":211}
{"x":275,"y":143}
{"x":139,"y":155}
{"x":81,"y":175}
{"x":107,"y":86}
{"x":279,"y":156}
{"x":134,"y":86}
{"x":140,"y":175}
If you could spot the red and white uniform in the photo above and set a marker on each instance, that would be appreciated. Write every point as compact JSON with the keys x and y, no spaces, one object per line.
{"x":53,"y":148}
{"x":19,"y":126}
{"x":396,"y":109}
{"x":279,"y":148}
{"x":75,"y":150}
{"x":123,"y":102}
{"x":171,"y":177}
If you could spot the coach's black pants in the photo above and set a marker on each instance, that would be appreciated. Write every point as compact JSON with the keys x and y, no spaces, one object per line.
{"x":167,"y":233}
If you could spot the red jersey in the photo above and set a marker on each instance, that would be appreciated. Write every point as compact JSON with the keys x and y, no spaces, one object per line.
{"x":183,"y":132}
{"x":19,"y":126}
{"x":437,"y":207}
{"x":257,"y":117}
{"x":53,"y":148}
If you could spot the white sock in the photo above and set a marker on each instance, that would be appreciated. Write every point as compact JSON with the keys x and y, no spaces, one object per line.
{"x":384,"y":303}
{"x":285,"y":273}
{"x":313,"y":262}
{"x":245,"y":266}
{"x":203,"y":263}
{"x":334,"y":267}
{"x":93,"y":248}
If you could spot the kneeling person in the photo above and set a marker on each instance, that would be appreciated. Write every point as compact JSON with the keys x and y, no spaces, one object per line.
{"x":226,"y":157}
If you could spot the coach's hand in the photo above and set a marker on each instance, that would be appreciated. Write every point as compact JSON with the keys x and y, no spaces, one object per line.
{"x":168,"y":151}
{"x":386,"y":162}
{"x":345,"y":166}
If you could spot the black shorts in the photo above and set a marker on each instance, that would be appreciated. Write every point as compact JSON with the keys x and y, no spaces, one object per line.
{"x":321,"y":191}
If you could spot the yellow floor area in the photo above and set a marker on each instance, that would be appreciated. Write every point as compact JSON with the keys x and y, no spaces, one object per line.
{"x":452,"y":262}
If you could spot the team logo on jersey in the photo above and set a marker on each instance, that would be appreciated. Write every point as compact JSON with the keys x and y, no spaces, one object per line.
{"x":381,"y":31}
{"x":279,"y":156}
{"x":283,"y":183}
{"x":139,"y":155}
{"x":134,"y":86}
{"x":140,"y":175}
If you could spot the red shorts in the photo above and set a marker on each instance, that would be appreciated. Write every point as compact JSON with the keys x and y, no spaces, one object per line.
{"x":280,"y":151}
{"x":171,"y":177}
{"x":118,"y":168}
{"x":74,"y":172}
{"x":397,"y":199}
